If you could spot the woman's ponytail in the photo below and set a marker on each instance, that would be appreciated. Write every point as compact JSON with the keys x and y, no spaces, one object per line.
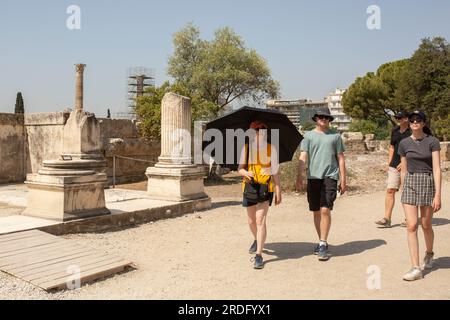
{"x":427,"y":130}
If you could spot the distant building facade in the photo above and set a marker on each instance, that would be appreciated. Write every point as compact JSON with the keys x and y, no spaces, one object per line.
{"x":301,"y":111}
{"x":341,"y":120}
{"x":298,"y":111}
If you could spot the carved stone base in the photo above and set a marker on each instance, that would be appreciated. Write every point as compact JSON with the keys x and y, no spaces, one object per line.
{"x":65,"y":198}
{"x":176,"y":183}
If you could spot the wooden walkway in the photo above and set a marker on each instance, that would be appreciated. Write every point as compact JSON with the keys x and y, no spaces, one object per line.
{"x":49,"y":262}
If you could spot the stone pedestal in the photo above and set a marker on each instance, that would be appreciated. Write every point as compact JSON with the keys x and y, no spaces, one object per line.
{"x":72,"y":187}
{"x":176,"y":184}
{"x":64,"y":190}
{"x":174,"y":177}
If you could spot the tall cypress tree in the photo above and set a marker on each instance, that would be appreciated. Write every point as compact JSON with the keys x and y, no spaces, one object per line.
{"x":109,"y":114}
{"x":19,"y":104}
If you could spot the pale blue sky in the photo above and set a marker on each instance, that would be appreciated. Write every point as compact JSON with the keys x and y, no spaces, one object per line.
{"x":311,"y":46}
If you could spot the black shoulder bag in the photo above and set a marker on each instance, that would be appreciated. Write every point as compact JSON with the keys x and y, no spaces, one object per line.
{"x":253,"y":191}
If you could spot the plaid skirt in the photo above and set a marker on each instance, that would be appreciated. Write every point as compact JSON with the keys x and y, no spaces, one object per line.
{"x":418,"y":189}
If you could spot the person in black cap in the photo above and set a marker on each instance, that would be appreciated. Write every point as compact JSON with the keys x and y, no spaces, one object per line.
{"x":399,"y":133}
{"x":324,"y":152}
{"x":421,"y":179}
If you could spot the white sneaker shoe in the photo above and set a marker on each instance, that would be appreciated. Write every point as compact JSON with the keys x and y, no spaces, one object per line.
{"x":414,"y":274}
{"x":428,"y":260}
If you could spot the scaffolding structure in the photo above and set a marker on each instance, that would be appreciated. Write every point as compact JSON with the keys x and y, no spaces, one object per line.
{"x":138,"y":80}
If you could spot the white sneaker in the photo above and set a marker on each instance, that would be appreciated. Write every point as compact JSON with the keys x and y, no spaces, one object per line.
{"x":428,"y":260}
{"x":414,"y":274}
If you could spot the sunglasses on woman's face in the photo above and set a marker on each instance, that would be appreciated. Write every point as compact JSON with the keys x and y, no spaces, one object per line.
{"x":416,"y":119}
{"x":323,"y":117}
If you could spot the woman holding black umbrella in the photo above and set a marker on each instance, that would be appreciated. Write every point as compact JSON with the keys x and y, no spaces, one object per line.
{"x":261,"y":174}
{"x":258,"y":161}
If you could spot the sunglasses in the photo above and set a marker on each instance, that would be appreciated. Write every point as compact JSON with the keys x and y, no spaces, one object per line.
{"x":323,"y":117}
{"x":416,"y":119}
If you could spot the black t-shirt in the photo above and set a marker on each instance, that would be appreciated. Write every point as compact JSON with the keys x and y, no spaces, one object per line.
{"x":418,"y":153}
{"x":396,"y":137}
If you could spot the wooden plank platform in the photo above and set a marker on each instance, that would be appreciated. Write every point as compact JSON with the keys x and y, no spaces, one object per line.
{"x":46,"y":261}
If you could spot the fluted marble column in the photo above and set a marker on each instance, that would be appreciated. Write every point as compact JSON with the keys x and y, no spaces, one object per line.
{"x":174,"y":177}
{"x":176,"y":117}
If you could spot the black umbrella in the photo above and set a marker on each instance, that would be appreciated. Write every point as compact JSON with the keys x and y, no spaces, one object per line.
{"x":289,"y":137}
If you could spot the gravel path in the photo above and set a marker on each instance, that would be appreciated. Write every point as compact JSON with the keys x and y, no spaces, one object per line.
{"x":204,"y":256}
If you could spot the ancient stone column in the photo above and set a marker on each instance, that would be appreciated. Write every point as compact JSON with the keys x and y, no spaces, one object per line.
{"x":174,"y":177}
{"x":79,"y":86}
{"x":176,"y":117}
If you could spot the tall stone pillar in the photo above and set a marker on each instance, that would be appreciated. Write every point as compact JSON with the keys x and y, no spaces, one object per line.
{"x":174,"y":177}
{"x":79,"y":86}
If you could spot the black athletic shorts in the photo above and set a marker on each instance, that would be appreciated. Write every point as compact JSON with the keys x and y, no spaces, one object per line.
{"x":321,"y":193}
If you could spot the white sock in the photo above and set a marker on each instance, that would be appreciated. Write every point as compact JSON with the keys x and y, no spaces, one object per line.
{"x":322,"y":243}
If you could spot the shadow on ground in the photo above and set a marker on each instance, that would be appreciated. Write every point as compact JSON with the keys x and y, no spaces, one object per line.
{"x":296,"y":250}
{"x":220,"y":204}
{"x":439,"y":263}
{"x":355,"y":247}
{"x":436,"y":223}
{"x":440,"y":221}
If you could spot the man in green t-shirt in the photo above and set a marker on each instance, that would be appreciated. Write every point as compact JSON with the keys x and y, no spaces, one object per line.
{"x":323,"y":150}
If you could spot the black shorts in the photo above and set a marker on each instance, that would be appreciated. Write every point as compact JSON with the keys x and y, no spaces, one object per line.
{"x":246,"y":203}
{"x":321,"y":193}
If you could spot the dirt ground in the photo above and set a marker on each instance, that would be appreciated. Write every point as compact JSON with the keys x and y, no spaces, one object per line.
{"x":204,"y":255}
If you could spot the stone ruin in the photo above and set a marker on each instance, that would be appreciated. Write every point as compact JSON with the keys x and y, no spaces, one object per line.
{"x":72,"y":186}
{"x":174,"y":177}
{"x":359,"y":143}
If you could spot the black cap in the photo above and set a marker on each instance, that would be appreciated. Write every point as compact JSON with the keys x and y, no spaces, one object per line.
{"x":325,"y":112}
{"x":419,"y":114}
{"x":401,"y":114}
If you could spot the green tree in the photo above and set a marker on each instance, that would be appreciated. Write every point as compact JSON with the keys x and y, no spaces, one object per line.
{"x":219,"y":71}
{"x":108,"y":114}
{"x":425,"y":82}
{"x":420,"y":82}
{"x":441,"y":128}
{"x":375,"y":96}
{"x":379,"y":128}
{"x":148,"y":108}
{"x":19,"y":108}
{"x":201,"y":108}
{"x":391,"y":74}
{"x":308,"y":126}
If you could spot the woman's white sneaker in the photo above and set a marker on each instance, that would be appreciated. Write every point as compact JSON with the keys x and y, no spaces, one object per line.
{"x":414,"y":274}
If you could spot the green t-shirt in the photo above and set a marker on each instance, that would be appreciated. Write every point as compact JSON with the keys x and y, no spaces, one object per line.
{"x":322,"y":149}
